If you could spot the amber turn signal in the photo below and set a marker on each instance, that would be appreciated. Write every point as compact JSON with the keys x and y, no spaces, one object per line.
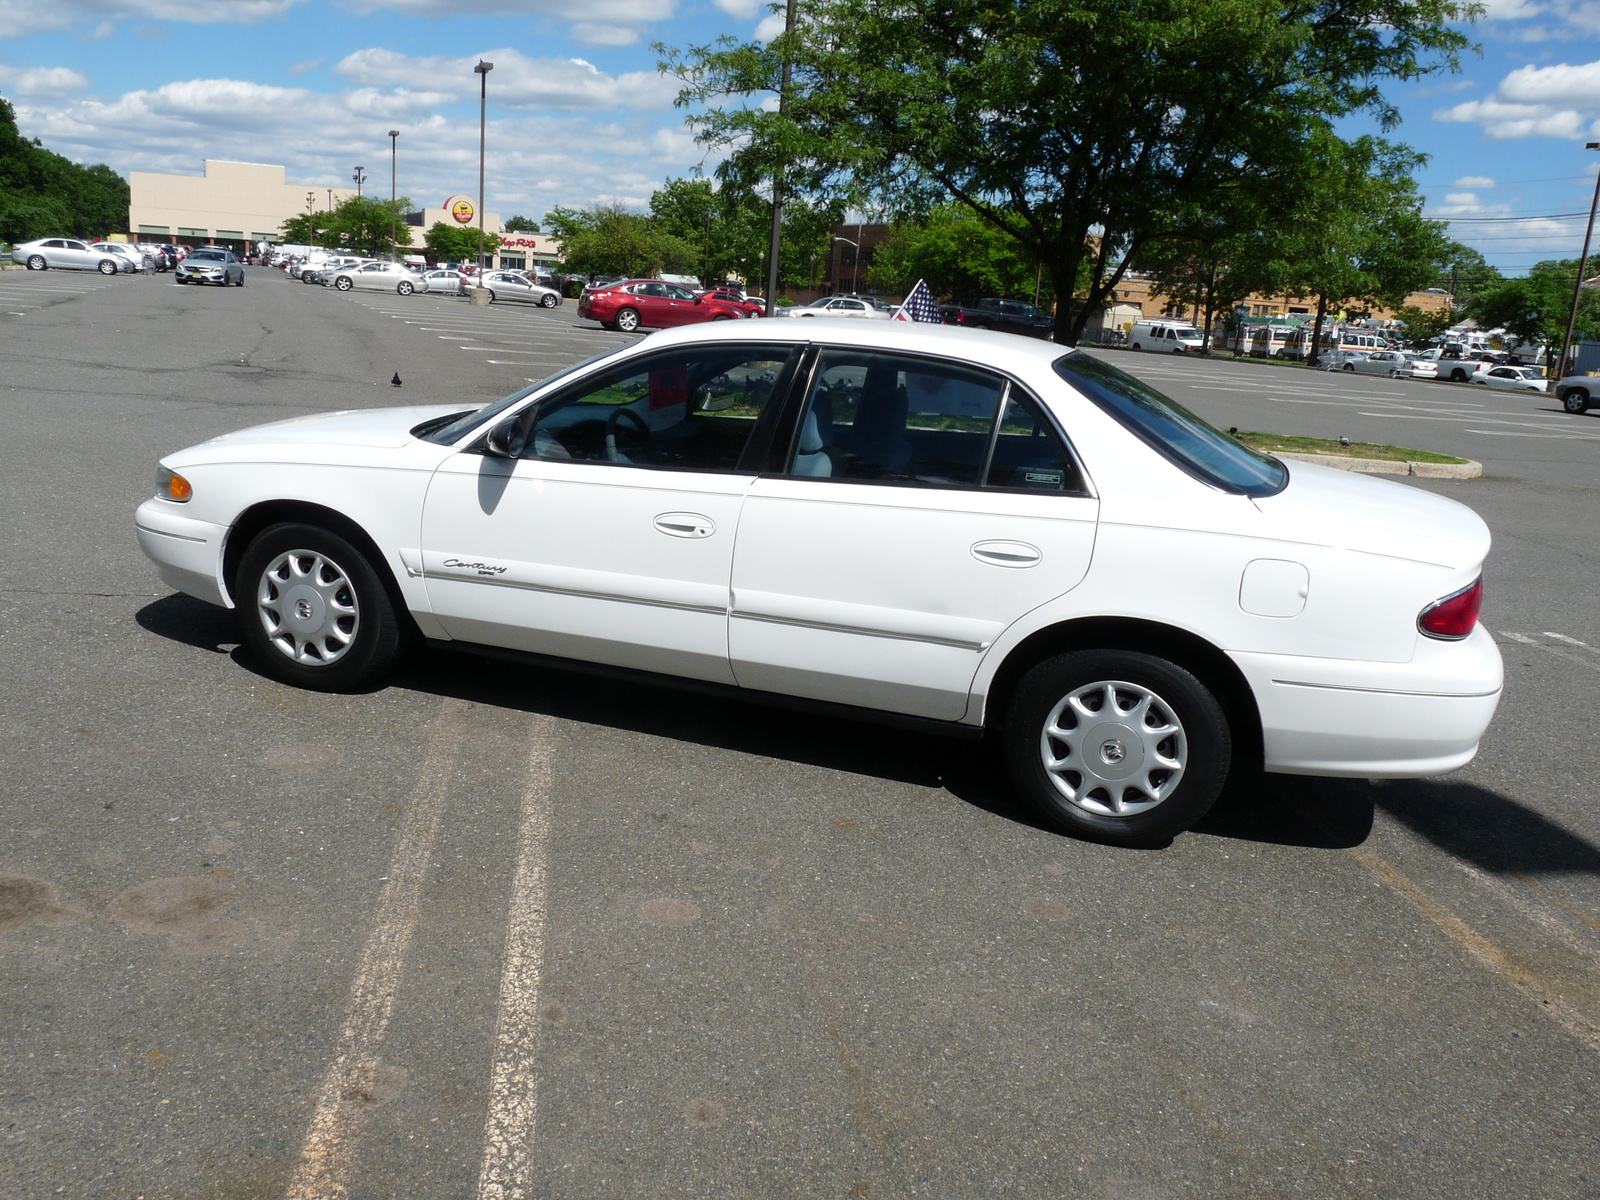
{"x":172,"y":486}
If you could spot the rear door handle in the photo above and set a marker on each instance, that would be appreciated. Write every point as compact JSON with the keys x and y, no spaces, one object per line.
{"x":1007,"y":554}
{"x":685,"y":525}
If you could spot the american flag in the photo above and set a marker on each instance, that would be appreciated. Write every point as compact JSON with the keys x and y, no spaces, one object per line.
{"x":920,"y":306}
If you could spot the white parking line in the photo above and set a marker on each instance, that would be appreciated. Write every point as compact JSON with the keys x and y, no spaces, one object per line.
{"x":324,"y":1167}
{"x":508,"y":1138}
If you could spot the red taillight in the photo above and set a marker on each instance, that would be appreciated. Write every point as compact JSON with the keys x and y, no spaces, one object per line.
{"x":1455,"y":616}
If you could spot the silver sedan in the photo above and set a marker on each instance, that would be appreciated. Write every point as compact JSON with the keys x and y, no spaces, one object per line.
{"x":64,"y":253}
{"x":514,"y":285}
{"x":382,"y":277}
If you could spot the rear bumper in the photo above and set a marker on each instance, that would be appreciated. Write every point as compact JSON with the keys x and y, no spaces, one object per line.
{"x":188,"y":553}
{"x":1376,"y":720}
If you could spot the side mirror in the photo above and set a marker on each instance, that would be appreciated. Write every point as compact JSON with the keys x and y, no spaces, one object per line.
{"x":699,"y":299}
{"x":508,"y":439}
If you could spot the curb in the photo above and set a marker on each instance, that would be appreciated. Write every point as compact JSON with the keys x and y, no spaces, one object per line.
{"x":1384,"y":466}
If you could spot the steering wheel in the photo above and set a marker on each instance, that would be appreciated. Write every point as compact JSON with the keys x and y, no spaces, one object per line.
{"x":612,"y":421}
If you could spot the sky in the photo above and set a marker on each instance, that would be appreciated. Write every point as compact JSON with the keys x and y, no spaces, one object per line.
{"x":578,"y":114}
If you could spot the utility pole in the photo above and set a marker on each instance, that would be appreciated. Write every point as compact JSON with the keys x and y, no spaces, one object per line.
{"x":311,"y":214}
{"x":394,"y":203}
{"x":482,"y":71}
{"x":1583,"y":262}
{"x":360,"y":176}
{"x":777,"y":174}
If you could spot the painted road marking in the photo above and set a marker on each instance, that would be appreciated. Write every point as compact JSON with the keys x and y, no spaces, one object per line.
{"x":508,"y":1139}
{"x":323,"y":1170}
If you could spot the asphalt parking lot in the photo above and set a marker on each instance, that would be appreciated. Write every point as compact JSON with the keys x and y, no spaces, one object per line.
{"x":494,"y":932}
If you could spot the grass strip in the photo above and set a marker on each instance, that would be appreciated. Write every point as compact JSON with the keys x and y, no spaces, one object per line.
{"x":1272,"y":442}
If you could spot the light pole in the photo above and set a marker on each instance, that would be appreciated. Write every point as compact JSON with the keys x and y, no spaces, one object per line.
{"x":482,"y":71}
{"x":1583,"y":262}
{"x":777,"y":175}
{"x":856,"y":268}
{"x":394,"y":202}
{"x":311,"y":215}
{"x":360,"y":176}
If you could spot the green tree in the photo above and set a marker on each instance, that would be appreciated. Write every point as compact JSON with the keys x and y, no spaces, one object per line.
{"x":1079,"y":130}
{"x":367,"y":225}
{"x":1418,"y":328}
{"x":42,"y":193}
{"x":457,"y":243}
{"x":1535,"y":307}
{"x":300,"y":230}
{"x":959,"y":255}
{"x":521,"y":225}
{"x":609,"y":240}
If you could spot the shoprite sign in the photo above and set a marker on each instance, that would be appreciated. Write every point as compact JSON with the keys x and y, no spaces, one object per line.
{"x":461,"y":209}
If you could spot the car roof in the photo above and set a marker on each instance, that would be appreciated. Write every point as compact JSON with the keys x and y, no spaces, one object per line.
{"x":980,"y":345}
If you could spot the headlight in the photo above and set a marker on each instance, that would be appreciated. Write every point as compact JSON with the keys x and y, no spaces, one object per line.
{"x":172,"y":486}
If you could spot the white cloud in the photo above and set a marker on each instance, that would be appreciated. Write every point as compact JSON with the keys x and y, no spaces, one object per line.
{"x":604,"y":22}
{"x":309,"y":64}
{"x":1462,"y":199}
{"x":42,"y":81}
{"x":743,"y":9}
{"x":1557,"y":101}
{"x":771,"y":26}
{"x":595,"y":34}
{"x":536,"y":159}
{"x":1474,"y":181}
{"x":21,"y":17}
{"x":517,"y":82}
{"x":1511,"y":10}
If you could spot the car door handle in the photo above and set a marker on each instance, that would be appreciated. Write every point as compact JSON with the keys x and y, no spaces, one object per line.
{"x":1007,"y":554}
{"x":685,"y":525}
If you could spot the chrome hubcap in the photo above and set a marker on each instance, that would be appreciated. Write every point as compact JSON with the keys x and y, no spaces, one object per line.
{"x":308,"y":607}
{"x":1113,"y":749}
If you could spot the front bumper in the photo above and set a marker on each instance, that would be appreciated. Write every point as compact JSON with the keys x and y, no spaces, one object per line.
{"x":187,"y":552}
{"x":1374,"y":720}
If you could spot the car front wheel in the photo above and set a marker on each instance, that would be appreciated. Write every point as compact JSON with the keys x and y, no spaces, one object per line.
{"x":1575,"y":401}
{"x":1117,"y":746}
{"x":314,"y":611}
{"x":107,"y":267}
{"x":36,"y":262}
{"x":549,"y":301}
{"x":405,"y":288}
{"x":627,"y":320}
{"x":343,"y":283}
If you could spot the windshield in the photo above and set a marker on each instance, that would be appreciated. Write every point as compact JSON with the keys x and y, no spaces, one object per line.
{"x":1172,"y":430}
{"x":468,"y":422}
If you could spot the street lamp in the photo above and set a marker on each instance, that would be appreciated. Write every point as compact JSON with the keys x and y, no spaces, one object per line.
{"x":856,"y":266}
{"x":360,"y":176}
{"x":311,"y":215}
{"x":1583,"y":262}
{"x":394,"y":204}
{"x":482,"y":72}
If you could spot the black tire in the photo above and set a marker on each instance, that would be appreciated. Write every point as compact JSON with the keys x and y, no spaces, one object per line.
{"x":1575,"y":401}
{"x":1136,"y":346}
{"x":549,"y":301}
{"x":36,"y":262}
{"x":356,"y":647}
{"x":1351,"y":367}
{"x":241,"y":280}
{"x":107,"y":267}
{"x":1201,"y":743}
{"x":491,"y":294}
{"x":343,"y":283}
{"x":405,"y":287}
{"x":1458,"y":376}
{"x":627,"y":320}
{"x":722,"y":317}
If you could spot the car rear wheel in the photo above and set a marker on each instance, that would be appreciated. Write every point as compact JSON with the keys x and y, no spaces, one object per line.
{"x":1351,"y":367}
{"x":1136,"y":346}
{"x":722,"y":317}
{"x":549,"y":301}
{"x":343,"y":283}
{"x":1117,"y":746}
{"x":314,"y":611}
{"x":405,"y":288}
{"x":36,"y":262}
{"x":1575,"y":401}
{"x":107,"y":267}
{"x":627,"y":320}
{"x":1458,"y":376}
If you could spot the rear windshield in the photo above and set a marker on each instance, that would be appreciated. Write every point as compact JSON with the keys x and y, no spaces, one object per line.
{"x":1172,"y":430}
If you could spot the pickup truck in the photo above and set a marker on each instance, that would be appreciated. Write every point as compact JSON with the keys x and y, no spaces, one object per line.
{"x":1008,"y":316}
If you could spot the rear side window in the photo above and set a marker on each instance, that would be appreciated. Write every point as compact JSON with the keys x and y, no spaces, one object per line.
{"x":1172,"y":430}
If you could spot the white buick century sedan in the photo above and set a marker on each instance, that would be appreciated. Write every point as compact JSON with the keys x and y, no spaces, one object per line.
{"x":943,"y":528}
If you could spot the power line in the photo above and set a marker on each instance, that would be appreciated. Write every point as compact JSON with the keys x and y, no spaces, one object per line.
{"x":1530,"y":217}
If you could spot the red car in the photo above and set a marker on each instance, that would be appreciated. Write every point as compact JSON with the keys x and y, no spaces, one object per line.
{"x":751,"y":306}
{"x":650,"y":302}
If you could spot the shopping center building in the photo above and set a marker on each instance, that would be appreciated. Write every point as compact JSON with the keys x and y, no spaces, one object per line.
{"x":233,"y":204}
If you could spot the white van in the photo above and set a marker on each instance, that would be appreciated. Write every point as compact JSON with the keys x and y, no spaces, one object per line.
{"x":1165,"y":337}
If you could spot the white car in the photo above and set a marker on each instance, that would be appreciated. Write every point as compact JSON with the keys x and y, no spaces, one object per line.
{"x":448,"y":282}
{"x":1522,"y":379}
{"x":379,"y":276}
{"x":137,"y":260}
{"x":68,"y":254}
{"x":1393,"y":363}
{"x":514,"y":285}
{"x":838,"y":306}
{"x":964,"y":534}
{"x":1341,"y":360}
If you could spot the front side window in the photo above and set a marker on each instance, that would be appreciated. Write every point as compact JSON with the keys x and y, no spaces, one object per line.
{"x":1172,"y":430}
{"x":692,"y":408}
{"x":679,"y":293}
